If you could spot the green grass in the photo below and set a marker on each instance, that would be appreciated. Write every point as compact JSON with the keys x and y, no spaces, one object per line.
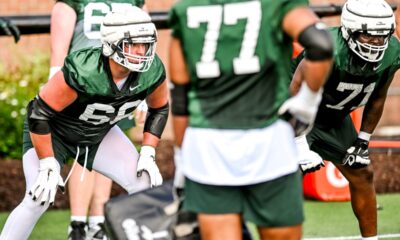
{"x":323,"y":219}
{"x":337,"y":218}
{"x":51,"y":226}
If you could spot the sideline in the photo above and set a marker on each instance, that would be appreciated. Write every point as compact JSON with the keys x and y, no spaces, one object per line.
{"x":391,"y":235}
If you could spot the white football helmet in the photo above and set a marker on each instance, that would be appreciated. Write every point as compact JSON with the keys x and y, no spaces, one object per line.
{"x":373,"y":17}
{"x":120,"y":30}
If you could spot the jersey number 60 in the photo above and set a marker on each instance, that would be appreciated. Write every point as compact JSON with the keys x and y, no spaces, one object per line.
{"x":123,"y":112}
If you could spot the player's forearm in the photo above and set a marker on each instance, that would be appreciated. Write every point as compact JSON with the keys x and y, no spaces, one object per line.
{"x":180,"y":111}
{"x":179,"y":90}
{"x":317,"y":42}
{"x":42,"y":144}
{"x":178,"y":70}
{"x":371,"y":116}
{"x":316,"y":73}
{"x":180,"y":124}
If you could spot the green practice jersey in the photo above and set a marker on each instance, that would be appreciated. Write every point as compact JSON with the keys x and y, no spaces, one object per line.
{"x":100,"y":104}
{"x":90,"y":14}
{"x":238,"y":59}
{"x":353,"y":81}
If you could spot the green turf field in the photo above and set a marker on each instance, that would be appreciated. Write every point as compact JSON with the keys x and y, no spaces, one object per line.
{"x":337,"y":218}
{"x":324,"y":220}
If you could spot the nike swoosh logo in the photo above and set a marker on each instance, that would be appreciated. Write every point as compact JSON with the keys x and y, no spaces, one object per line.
{"x":133,"y":88}
{"x":375,"y":68}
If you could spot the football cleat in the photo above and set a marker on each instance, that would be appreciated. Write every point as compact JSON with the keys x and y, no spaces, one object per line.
{"x":96,"y":233}
{"x":77,"y":230}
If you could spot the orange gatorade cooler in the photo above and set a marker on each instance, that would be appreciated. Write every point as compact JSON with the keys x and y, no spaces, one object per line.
{"x":326,"y":184}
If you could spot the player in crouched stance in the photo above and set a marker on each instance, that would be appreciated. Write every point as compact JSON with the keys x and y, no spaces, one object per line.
{"x":365,"y":61}
{"x":229,"y":68}
{"x":75,"y":113}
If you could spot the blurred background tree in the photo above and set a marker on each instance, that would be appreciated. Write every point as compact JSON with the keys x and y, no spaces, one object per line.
{"x":17,"y":87}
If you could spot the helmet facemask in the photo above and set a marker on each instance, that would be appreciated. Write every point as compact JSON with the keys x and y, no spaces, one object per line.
{"x":135,"y":60}
{"x":367,"y":51}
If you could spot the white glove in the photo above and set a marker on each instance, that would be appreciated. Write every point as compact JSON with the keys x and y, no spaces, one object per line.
{"x":147,"y":163}
{"x":47,"y":181}
{"x":357,"y":156}
{"x":301,"y":109}
{"x":309,"y":160}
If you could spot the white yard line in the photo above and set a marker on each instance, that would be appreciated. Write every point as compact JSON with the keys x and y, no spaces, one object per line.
{"x":391,"y":235}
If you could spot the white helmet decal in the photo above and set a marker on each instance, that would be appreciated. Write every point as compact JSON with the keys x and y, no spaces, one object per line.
{"x":373,"y":17}
{"x":120,"y":30}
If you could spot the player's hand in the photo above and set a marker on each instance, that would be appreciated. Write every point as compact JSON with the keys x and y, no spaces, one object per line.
{"x":357,"y":156}
{"x":7,"y":28}
{"x":301,"y":109}
{"x":147,"y":163}
{"x":47,"y":181}
{"x":310,"y":161}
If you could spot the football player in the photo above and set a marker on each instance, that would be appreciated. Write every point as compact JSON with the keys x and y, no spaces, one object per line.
{"x":365,"y":61}
{"x":76,"y":25}
{"x":76,"y":112}
{"x":229,"y":69}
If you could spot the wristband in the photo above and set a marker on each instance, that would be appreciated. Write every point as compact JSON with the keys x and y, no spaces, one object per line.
{"x":364,"y":136}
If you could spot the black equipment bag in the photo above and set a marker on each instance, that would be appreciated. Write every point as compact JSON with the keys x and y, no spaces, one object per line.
{"x":151,"y":214}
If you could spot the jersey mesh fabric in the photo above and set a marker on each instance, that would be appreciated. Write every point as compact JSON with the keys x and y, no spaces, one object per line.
{"x":238,"y":60}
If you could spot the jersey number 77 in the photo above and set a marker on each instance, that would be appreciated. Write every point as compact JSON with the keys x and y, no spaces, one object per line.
{"x":229,"y":14}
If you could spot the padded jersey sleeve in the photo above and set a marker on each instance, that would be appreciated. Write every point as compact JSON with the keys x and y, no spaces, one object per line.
{"x":71,"y":74}
{"x":84,"y":71}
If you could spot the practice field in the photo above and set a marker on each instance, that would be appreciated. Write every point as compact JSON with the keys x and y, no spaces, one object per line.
{"x":324,"y":221}
{"x":336,"y":219}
